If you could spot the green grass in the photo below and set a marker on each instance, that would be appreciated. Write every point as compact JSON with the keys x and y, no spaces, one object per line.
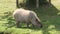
{"x":50,"y":17}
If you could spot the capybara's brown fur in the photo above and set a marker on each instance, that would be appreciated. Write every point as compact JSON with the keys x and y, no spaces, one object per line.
{"x":22,"y":15}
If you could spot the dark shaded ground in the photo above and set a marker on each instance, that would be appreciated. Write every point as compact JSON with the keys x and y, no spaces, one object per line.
{"x":48,"y":15}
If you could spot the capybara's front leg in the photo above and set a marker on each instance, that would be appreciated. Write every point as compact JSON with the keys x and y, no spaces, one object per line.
{"x":28,"y":25}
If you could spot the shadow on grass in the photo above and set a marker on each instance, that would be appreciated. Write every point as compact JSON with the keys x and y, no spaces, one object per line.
{"x":50,"y":18}
{"x":48,"y":15}
{"x":32,"y":28}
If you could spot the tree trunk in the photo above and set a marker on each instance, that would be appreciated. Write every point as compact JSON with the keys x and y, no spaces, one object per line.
{"x":37,"y":3}
{"x":17,"y":5}
{"x":49,"y":2}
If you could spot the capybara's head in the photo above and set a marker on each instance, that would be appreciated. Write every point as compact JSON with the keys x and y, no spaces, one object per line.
{"x":38,"y":23}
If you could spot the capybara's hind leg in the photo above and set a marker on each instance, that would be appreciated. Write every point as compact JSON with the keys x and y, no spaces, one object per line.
{"x":17,"y":23}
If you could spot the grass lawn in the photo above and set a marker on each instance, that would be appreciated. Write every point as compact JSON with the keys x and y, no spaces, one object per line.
{"x":50,"y":17}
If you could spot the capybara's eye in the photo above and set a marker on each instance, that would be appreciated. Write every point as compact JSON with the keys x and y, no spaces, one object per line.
{"x":36,"y":20}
